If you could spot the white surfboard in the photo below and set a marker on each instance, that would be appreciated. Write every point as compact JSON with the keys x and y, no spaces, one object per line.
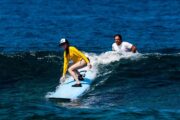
{"x":66,"y":91}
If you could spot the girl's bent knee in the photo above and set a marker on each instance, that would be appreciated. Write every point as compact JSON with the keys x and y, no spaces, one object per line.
{"x":69,"y":70}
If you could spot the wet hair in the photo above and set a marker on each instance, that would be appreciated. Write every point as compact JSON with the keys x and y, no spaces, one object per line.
{"x":118,"y":36}
{"x":67,"y":49}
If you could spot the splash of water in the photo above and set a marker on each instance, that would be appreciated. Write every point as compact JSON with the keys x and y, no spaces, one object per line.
{"x":96,"y":60}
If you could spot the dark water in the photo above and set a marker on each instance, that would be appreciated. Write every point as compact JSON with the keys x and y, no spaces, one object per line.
{"x":146,"y":87}
{"x":143,"y":88}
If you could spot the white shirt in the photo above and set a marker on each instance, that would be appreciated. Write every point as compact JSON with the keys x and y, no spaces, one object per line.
{"x":123,"y":47}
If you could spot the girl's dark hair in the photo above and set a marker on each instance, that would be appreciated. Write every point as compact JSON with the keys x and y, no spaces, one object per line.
{"x":67,"y":49}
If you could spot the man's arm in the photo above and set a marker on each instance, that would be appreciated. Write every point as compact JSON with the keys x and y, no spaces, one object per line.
{"x":130,"y":46}
{"x":133,"y":49}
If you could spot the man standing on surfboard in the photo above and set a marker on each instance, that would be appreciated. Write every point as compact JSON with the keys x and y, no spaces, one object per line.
{"x":79,"y":61}
{"x":121,"y":46}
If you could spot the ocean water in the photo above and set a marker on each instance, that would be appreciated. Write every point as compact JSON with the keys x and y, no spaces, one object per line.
{"x":144,"y":86}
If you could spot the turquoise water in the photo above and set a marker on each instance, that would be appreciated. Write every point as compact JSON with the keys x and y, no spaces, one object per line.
{"x":142,"y":87}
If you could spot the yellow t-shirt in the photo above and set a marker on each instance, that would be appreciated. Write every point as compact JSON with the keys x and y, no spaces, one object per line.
{"x":75,"y":55}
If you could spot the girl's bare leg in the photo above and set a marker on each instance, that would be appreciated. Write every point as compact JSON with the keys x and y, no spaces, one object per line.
{"x":73,"y":69}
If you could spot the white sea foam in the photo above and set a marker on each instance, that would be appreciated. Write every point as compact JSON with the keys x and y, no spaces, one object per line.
{"x":99,"y":59}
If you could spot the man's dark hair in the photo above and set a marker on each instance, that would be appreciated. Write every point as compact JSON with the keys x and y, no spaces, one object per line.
{"x":118,"y":36}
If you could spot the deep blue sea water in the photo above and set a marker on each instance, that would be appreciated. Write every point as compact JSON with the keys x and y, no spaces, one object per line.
{"x":146,"y":87}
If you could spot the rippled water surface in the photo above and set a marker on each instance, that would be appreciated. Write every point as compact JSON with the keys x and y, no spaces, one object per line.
{"x":143,"y":86}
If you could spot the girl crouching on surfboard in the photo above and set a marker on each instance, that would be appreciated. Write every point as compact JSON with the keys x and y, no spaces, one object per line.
{"x":79,"y":61}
